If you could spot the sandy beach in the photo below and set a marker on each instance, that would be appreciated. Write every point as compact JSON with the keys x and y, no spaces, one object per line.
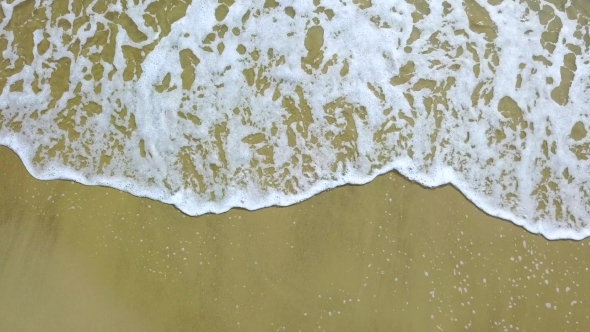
{"x":390,"y":255}
{"x":386,"y":256}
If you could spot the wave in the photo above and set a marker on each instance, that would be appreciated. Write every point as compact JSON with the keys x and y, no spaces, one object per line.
{"x":214,"y":105}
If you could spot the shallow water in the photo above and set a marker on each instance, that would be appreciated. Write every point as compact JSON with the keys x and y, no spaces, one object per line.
{"x":210,"y":106}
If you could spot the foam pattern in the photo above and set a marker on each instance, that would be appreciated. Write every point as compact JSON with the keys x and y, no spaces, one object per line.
{"x":210,"y":106}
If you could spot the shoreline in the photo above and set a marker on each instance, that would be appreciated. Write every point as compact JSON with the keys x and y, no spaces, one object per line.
{"x":317,"y":189}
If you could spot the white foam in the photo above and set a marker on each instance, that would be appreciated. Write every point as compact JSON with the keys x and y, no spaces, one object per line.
{"x":222,"y":160}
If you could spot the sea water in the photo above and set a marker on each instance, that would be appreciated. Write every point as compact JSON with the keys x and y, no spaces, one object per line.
{"x":210,"y":105}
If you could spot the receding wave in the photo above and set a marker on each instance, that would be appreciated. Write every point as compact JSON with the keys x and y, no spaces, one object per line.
{"x":212,"y":105}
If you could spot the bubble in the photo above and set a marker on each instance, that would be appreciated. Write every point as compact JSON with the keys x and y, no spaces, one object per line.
{"x":211,"y":106}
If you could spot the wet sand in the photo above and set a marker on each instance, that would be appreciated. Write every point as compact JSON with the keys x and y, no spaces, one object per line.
{"x":386,"y":256}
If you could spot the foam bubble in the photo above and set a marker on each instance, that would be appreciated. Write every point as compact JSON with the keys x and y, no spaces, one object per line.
{"x":212,"y":105}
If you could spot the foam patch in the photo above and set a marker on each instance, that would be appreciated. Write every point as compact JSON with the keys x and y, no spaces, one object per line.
{"x":213,"y":105}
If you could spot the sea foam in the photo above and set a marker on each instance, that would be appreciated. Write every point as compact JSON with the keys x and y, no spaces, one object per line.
{"x":213,"y":105}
